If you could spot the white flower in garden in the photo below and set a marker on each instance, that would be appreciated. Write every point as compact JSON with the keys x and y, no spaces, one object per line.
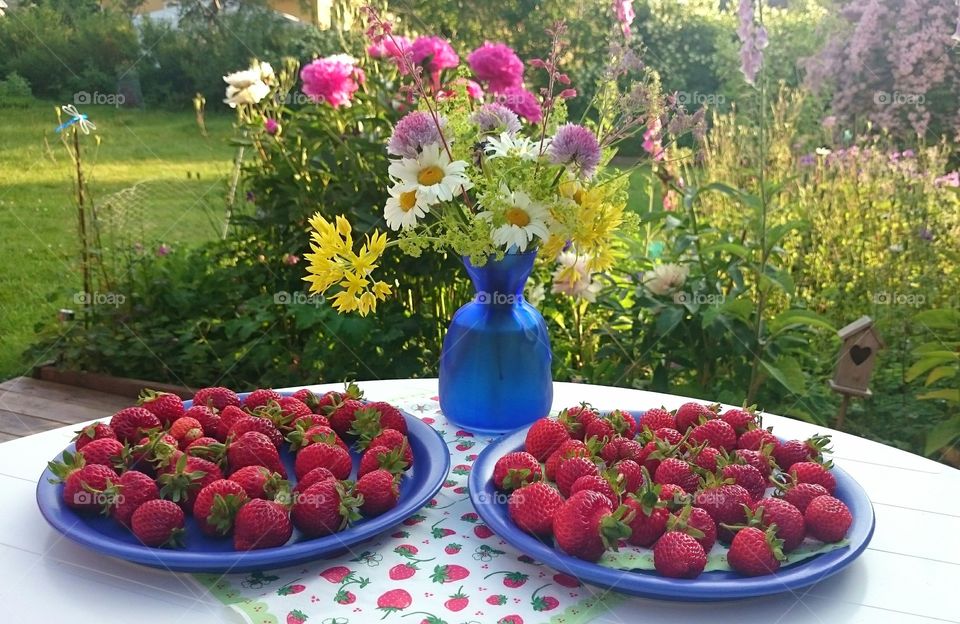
{"x":508,"y":145}
{"x":247,"y":86}
{"x":267,"y":74}
{"x":3,"y":5}
{"x":574,"y":279}
{"x":665,"y":278}
{"x":524,"y":218}
{"x":431,"y":174}
{"x":535,"y":293}
{"x":823,"y":151}
{"x":405,"y":208}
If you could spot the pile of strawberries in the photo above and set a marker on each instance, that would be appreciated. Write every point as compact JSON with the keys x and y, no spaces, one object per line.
{"x":676,"y":482}
{"x":220,"y":461}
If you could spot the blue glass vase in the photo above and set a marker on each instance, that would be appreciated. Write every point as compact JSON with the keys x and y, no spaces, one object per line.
{"x":495,"y":364}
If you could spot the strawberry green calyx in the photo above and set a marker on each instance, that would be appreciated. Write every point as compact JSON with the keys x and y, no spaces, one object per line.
{"x":175,"y":485}
{"x":615,"y":527}
{"x":515,"y":478}
{"x":215,"y":452}
{"x":274,"y":413}
{"x":620,"y":424}
{"x":349,"y":503}
{"x":223,"y":513}
{"x":69,"y":463}
{"x":366,"y":426}
{"x":593,"y":444}
{"x":393,"y":461}
{"x":176,"y":538}
{"x":298,"y":437}
{"x":147,"y":395}
{"x":681,"y":522}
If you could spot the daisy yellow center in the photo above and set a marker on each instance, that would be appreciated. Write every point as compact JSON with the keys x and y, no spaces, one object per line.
{"x":518,"y":216}
{"x":430,"y":175}
{"x":408,"y":200}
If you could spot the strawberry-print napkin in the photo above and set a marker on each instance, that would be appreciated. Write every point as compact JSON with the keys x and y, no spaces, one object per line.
{"x":442,"y":565}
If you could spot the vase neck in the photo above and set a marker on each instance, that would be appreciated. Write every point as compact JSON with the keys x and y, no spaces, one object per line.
{"x":501,"y":281}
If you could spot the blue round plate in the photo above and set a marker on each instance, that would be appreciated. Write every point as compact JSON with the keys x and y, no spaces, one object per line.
{"x":709,"y":586}
{"x":205,"y":554}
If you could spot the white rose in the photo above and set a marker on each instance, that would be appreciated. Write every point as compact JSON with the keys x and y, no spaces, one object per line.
{"x":250,"y":94}
{"x":665,"y":278}
{"x":244,"y":78}
{"x":267,"y":74}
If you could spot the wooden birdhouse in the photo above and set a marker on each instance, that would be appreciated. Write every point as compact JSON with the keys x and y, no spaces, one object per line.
{"x":858,"y":355}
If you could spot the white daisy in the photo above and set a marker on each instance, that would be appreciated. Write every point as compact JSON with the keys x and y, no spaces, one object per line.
{"x":431,"y":174}
{"x":525,"y":219}
{"x":405,"y":208}
{"x":507,"y":145}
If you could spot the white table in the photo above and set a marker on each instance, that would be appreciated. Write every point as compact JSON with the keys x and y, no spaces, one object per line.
{"x":908,"y":574}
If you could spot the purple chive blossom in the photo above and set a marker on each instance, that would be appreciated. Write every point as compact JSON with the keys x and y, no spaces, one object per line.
{"x":412,"y":133}
{"x":496,"y":118}
{"x":575,"y":145}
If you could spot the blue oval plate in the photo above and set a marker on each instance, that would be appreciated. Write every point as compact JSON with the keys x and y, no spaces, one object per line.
{"x":709,"y":586}
{"x":205,"y":554}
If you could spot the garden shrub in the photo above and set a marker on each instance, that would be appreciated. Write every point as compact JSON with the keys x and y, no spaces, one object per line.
{"x":15,"y":92}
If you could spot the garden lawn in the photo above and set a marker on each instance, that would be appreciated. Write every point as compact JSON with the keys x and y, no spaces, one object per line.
{"x":184,"y":176}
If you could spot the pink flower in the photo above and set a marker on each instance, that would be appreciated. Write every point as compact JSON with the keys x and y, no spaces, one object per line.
{"x":333,"y":80}
{"x":291,"y":259}
{"x":163,"y":250}
{"x":434,"y":54}
{"x":474,"y":90}
{"x":497,"y":65}
{"x":271,"y":126}
{"x":392,"y":47}
{"x":651,"y":141}
{"x":522,"y":102}
{"x":623,"y":9}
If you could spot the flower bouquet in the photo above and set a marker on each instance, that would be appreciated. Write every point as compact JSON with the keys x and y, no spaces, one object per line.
{"x":487,"y":170}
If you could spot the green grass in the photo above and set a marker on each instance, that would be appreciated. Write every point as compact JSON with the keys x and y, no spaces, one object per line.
{"x":184,"y":182}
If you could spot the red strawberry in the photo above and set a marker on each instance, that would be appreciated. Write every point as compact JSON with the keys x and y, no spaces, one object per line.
{"x":231,"y":414}
{"x":457,"y":601}
{"x":482,"y":531}
{"x":678,"y":555}
{"x":827,"y":518}
{"x":209,"y":419}
{"x":747,"y":476}
{"x":452,"y":548}
{"x":158,"y":522}
{"x":621,"y":448}
{"x":628,"y":473}
{"x":616,"y":423}
{"x":82,"y":485}
{"x":497,"y":600}
{"x":132,"y":490}
{"x":158,"y":449}
{"x":293,"y":408}
{"x":392,"y":439}
{"x":544,"y":437}
{"x":515,"y":470}
{"x":586,"y":525}
{"x":533,"y":506}
{"x":394,"y":600}
{"x":96,"y":431}
{"x":258,"y":482}
{"x":543,"y":603}
{"x":596,"y":483}
{"x":402,"y":571}
{"x":377,"y":457}
{"x":165,"y":406}
{"x":449,"y":573}
{"x":754,"y":552}
{"x":696,"y":523}
{"x":812,"y":472}
{"x":690,"y":414}
{"x":678,"y":472}
{"x":305,"y":422}
{"x":799,"y":495}
{"x":572,"y":469}
{"x":261,"y":524}
{"x":324,"y":508}
{"x":302,"y":436}
{"x":674,"y":496}
{"x":260,"y":425}
{"x":376,"y":417}
{"x":130,"y":423}
{"x":296,"y":617}
{"x":705,"y":457}
{"x":565,"y":580}
{"x":740,"y":419}
{"x":321,"y":455}
{"x":308,"y":397}
{"x":757,"y":459}
{"x":650,"y":515}
{"x":181,"y":481}
{"x":254,"y":449}
{"x":260,"y":397}
{"x":757,"y":439}
{"x":576,"y":419}
{"x":104,"y":451}
{"x":216,"y":397}
{"x":788,"y":520}
{"x":671,"y":436}
{"x":725,"y":504}
{"x":570,"y":448}
{"x":715,"y":433}
{"x":314,"y":476}
{"x":217,"y":505}
{"x":791,"y":452}
{"x":657,"y":418}
{"x":186,"y":430}
{"x":336,"y":574}
{"x":342,"y":417}
{"x":379,"y":490}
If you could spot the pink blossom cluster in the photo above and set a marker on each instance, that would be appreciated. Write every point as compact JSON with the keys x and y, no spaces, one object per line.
{"x":333,"y":80}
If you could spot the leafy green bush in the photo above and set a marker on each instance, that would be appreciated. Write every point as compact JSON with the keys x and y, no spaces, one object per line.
{"x":15,"y":92}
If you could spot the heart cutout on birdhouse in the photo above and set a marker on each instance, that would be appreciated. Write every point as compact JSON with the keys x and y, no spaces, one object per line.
{"x":859,"y":354}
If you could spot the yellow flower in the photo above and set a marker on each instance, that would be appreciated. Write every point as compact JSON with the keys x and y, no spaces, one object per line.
{"x":334,"y":263}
